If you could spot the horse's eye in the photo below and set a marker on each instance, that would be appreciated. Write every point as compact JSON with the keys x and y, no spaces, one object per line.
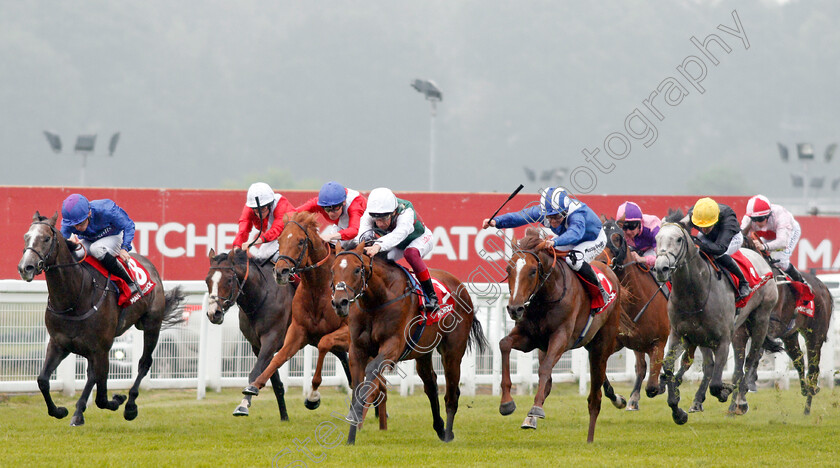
{"x":533,"y":272}
{"x":679,"y":240}
{"x":301,"y":242}
{"x":357,"y":271}
{"x":47,"y":239}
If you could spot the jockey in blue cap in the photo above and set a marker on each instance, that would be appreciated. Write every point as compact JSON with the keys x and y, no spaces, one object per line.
{"x":103,"y":228}
{"x":341,"y":207}
{"x":578,"y":230}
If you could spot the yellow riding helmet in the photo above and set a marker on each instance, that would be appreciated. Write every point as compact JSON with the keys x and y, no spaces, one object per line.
{"x":706,"y":212}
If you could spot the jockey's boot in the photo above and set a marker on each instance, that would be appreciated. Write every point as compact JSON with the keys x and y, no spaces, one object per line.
{"x":114,"y":267}
{"x":588,"y":274}
{"x":743,"y":286}
{"x":431,"y":297}
{"x":794,"y":273}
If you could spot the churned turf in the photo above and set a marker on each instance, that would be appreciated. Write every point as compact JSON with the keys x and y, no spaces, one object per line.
{"x":175,"y":429}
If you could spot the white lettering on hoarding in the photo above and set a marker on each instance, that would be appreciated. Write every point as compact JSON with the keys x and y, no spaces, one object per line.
{"x":808,"y":252}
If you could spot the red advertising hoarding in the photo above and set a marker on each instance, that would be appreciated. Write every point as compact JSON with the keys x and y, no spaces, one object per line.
{"x":176,"y":228}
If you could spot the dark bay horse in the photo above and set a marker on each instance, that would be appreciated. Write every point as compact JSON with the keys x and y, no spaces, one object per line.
{"x":701,"y":309}
{"x":83,"y":317}
{"x":647,"y":305}
{"x":265,"y":311}
{"x":313,"y":320}
{"x":786,"y":323}
{"x":552,"y":314}
{"x":387,"y":326}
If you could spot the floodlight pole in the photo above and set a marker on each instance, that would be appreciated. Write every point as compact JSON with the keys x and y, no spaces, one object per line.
{"x":432,"y":114}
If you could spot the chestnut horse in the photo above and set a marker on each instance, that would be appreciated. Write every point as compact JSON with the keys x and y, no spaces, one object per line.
{"x":647,"y":305}
{"x":313,"y":321}
{"x":552,"y":314}
{"x":387,"y":325}
{"x":83,"y":317}
{"x":265,"y":310}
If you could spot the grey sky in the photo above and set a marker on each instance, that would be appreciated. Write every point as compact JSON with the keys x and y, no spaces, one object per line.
{"x":209,"y":92}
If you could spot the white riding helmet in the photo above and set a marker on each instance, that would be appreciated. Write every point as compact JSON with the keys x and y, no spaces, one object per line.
{"x":381,"y":200}
{"x":259,"y":194}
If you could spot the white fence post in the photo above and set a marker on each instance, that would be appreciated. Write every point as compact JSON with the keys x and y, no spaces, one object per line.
{"x":307,"y":370}
{"x":497,"y":332}
{"x":66,"y":374}
{"x":203,"y":341}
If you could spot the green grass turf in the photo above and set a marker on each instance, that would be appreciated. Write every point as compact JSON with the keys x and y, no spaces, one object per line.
{"x":175,"y":429}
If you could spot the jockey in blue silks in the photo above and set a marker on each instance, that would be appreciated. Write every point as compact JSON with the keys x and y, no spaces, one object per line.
{"x":103,"y":229}
{"x":578,"y":230}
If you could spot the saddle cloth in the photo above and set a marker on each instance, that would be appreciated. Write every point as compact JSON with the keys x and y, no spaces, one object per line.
{"x":595,"y":299}
{"x":804,"y":297}
{"x":446,"y":302}
{"x":135,"y":270}
{"x":750,"y":274}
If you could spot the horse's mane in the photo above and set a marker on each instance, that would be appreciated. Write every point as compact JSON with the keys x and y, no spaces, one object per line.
{"x":533,"y":238}
{"x":674,"y":215}
{"x":305,"y":218}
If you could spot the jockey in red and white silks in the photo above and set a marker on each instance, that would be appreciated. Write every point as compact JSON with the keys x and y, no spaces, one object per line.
{"x":264,"y":211}
{"x":341,"y":207}
{"x":777,"y":230}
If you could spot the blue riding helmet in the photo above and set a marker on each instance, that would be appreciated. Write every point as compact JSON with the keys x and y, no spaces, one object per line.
{"x":554,"y":201}
{"x":331,"y":194}
{"x":75,"y":209}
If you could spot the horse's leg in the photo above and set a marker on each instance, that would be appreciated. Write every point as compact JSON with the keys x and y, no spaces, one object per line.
{"x":99,"y":362}
{"x":617,"y":400}
{"x":53,"y":358}
{"x":708,"y":369}
{"x":268,"y":343}
{"x":541,"y":356}
{"x":758,"y":331}
{"x":599,"y":353}
{"x":371,"y":379}
{"x":357,"y":372}
{"x":295,"y":340}
{"x":676,"y":349}
{"x":556,"y":347}
{"x":653,"y":387}
{"x":716,"y":386}
{"x":451,"y":358}
{"x":337,"y":339}
{"x":430,"y":386}
{"x":813,"y":344}
{"x":641,"y":369}
{"x":78,"y":418}
{"x":150,"y":339}
{"x":685,"y":363}
{"x":381,"y":409}
{"x":794,"y":352}
{"x":512,"y":341}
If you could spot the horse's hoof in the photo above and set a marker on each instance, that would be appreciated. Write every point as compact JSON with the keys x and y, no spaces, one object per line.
{"x":654,"y":391}
{"x":530,"y":422}
{"x":251,"y":390}
{"x":815,"y":390}
{"x":505,"y":408}
{"x":60,"y":413}
{"x":537,"y":411}
{"x":696,"y":408}
{"x":119,"y":399}
{"x":450,"y":436}
{"x":311,"y":405}
{"x":632,"y":406}
{"x":619,"y":402}
{"x":77,"y":420}
{"x":742,"y":409}
{"x":680,"y":416}
{"x":241,"y":410}
{"x":807,"y":411}
{"x":130,"y":412}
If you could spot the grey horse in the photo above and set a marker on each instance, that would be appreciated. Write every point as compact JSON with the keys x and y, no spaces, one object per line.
{"x":702,"y":313}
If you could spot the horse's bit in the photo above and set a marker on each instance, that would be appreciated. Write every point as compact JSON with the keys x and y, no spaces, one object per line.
{"x":367,"y":273}
{"x":296,"y":262}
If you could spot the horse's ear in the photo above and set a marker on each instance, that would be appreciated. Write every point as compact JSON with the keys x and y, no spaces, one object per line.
{"x":36,"y":216}
{"x":53,"y":219}
{"x":603,"y":219}
{"x":338,"y":247}
{"x":211,"y":253}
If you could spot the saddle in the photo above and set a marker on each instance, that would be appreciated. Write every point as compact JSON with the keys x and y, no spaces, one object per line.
{"x":446,"y":302}
{"x":137,"y":272}
{"x":596,"y":301}
{"x":749,"y":272}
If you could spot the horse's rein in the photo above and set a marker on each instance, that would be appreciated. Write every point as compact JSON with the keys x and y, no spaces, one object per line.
{"x":543,"y":278}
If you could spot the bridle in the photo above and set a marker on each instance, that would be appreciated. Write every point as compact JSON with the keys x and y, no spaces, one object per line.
{"x":228,"y":301}
{"x":42,"y":266}
{"x":367,"y":273}
{"x":681,"y":257}
{"x":544,"y":276}
{"x":296,"y":268}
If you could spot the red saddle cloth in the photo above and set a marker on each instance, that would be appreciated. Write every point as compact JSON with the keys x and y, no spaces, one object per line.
{"x":446,"y":302}
{"x":804,"y":297}
{"x":750,"y":274}
{"x":137,"y":273}
{"x":595,"y":299}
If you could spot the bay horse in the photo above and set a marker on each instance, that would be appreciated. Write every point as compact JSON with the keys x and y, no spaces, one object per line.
{"x":313,"y":321}
{"x":265,"y":311}
{"x":387,"y":325}
{"x":647,"y":304}
{"x":551,"y":309}
{"x":83,"y":317}
{"x":702,"y":312}
{"x":786,"y":323}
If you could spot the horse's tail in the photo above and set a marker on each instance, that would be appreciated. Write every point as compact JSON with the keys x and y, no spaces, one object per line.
{"x":477,"y":337}
{"x":173,"y":307}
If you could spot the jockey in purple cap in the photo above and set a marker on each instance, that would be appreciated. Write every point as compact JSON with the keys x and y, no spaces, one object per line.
{"x":103,"y":228}
{"x":640,"y":232}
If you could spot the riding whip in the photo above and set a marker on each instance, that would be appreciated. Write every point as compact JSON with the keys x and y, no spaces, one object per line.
{"x":508,"y":199}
